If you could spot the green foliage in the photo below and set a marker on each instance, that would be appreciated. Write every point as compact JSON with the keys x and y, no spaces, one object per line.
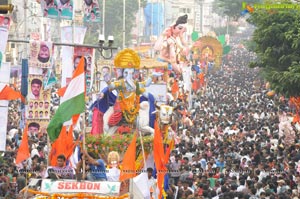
{"x":277,"y":45}
{"x":104,"y":144}
{"x":114,"y":21}
{"x":286,"y":82}
{"x":250,"y":45}
{"x":231,"y":8}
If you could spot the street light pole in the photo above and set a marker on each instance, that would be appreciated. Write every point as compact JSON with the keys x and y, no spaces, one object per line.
{"x":124,"y":15}
{"x":25,"y":27}
{"x":139,"y":25}
{"x":103,"y":18}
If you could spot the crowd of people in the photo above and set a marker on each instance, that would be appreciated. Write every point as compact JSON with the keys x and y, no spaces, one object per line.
{"x":233,"y":141}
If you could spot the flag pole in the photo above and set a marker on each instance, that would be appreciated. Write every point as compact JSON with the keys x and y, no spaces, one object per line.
{"x":83,"y":143}
{"x":84,"y":126}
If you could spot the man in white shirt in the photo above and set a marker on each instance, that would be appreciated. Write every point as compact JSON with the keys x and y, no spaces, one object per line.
{"x":152,"y":184}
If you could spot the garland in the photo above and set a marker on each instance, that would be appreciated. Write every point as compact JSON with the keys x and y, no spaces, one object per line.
{"x":45,"y":195}
{"x":130,"y":105}
{"x":104,"y":144}
{"x":139,"y":162}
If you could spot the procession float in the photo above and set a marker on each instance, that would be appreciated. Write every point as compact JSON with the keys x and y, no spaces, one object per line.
{"x":208,"y":51}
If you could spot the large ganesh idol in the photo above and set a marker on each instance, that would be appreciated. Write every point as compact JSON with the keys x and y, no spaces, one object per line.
{"x":119,"y":102}
{"x":172,"y":45}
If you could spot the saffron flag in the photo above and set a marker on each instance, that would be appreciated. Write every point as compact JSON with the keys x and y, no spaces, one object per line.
{"x":62,"y":145}
{"x":23,"y":151}
{"x":175,"y":87}
{"x":159,"y":158}
{"x":8,"y":93}
{"x":72,"y":102}
{"x":128,"y":164}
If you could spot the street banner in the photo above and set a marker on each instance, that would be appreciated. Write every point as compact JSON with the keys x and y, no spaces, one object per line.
{"x":4,"y":79}
{"x":67,"y":34}
{"x":4,"y":29}
{"x":67,"y":53}
{"x":40,"y":54}
{"x":50,"y":8}
{"x":3,"y":126}
{"x":88,"y":54}
{"x":38,"y":108}
{"x":58,"y":9}
{"x":91,"y":11}
{"x":68,"y":186}
{"x":65,"y":9}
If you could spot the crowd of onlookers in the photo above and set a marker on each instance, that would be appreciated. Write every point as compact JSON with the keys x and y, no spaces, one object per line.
{"x":236,"y":141}
{"x":233,"y":141}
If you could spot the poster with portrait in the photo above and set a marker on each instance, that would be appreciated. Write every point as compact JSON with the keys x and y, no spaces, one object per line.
{"x":91,"y":11}
{"x":37,"y":128}
{"x":40,"y":54}
{"x":88,"y":54}
{"x":4,"y":28}
{"x":38,"y":107}
{"x":50,"y":8}
{"x":65,"y":9}
{"x":35,"y":87}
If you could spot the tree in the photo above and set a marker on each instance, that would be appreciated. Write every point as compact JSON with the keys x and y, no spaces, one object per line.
{"x":114,"y":21}
{"x":277,"y":45}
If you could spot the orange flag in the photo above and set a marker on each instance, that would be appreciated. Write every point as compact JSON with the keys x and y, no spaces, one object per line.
{"x":201,"y":78}
{"x":59,"y":146}
{"x":8,"y":93}
{"x":175,"y":87}
{"x":128,"y":164}
{"x":69,"y":143}
{"x":169,"y":149}
{"x":159,"y":158}
{"x":64,"y":143}
{"x":23,"y":151}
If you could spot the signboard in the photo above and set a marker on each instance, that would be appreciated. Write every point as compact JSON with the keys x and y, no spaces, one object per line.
{"x":159,"y":91}
{"x":70,"y":186}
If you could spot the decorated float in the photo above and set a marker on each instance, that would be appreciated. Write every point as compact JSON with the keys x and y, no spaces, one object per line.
{"x":129,"y":99}
{"x":208,"y":51}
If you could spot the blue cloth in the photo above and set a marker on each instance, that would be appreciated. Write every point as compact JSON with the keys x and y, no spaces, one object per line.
{"x":103,"y":104}
{"x":166,"y":182}
{"x":109,"y":99}
{"x":196,"y":68}
{"x":98,"y":171}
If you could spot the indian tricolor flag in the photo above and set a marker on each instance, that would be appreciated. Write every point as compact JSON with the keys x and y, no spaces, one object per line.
{"x":8,"y":93}
{"x":72,"y":102}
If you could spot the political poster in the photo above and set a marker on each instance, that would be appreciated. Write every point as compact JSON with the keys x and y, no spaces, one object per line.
{"x":4,"y":28}
{"x":65,"y":9}
{"x":88,"y":54}
{"x":40,"y":54}
{"x":50,"y":8}
{"x":91,"y":11}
